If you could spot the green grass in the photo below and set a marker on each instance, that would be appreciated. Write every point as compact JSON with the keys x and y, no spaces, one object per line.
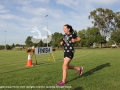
{"x":101,"y":70}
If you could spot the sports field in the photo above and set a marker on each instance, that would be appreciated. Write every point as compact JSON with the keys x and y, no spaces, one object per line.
{"x":101,"y":71}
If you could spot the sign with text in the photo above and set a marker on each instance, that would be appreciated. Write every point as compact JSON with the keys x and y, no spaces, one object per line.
{"x":43,"y":50}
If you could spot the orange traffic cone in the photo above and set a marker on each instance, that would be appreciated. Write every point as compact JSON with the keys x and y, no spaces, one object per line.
{"x":29,"y":61}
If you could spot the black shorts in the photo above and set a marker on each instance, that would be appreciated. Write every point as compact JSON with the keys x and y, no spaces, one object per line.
{"x":69,"y":55}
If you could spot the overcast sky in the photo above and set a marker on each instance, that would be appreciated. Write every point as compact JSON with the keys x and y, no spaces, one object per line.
{"x":18,"y":17}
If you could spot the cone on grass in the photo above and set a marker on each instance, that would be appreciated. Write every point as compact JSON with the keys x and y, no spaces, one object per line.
{"x":29,"y":61}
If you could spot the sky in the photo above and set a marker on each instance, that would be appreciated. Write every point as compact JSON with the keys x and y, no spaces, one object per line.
{"x":19,"y":17}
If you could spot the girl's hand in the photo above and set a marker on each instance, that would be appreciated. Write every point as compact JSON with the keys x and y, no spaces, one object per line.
{"x":73,"y":40}
{"x":61,"y":43}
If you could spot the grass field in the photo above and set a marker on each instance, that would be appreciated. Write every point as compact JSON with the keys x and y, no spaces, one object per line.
{"x":101,"y":71}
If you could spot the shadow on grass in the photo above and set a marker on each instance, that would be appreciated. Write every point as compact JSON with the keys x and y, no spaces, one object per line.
{"x":92,"y":71}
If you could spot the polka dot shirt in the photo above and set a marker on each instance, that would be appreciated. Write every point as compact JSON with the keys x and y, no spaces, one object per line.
{"x":68,"y":44}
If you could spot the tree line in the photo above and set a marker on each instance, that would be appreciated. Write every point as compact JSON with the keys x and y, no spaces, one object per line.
{"x":9,"y":47}
{"x":89,"y":37}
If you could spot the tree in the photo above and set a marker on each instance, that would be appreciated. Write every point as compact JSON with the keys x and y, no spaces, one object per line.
{"x":115,"y":35}
{"x":110,"y":42}
{"x":93,"y":36}
{"x":117,"y":20}
{"x":57,"y":38}
{"x":17,"y":45}
{"x":105,"y":20}
{"x":81,"y":34}
{"x":8,"y":47}
{"x":90,"y":36}
{"x":28,"y":41}
{"x":2,"y":47}
{"x":118,"y":25}
{"x":13,"y":45}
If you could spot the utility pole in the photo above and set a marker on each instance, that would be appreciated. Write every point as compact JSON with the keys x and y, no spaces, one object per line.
{"x":5,"y":40}
{"x":47,"y":29}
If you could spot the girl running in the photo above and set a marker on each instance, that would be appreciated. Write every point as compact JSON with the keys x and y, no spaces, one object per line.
{"x":68,"y":41}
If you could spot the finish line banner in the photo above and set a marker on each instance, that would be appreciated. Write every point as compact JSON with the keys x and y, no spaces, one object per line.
{"x":43,"y":50}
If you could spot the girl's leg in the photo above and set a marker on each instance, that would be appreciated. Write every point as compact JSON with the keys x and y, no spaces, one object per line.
{"x":73,"y":67}
{"x":65,"y":67}
{"x":79,"y":69}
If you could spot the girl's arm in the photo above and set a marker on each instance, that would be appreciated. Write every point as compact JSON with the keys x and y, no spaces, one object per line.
{"x":77,"y":39}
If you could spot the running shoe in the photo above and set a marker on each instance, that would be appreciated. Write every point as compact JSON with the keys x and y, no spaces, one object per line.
{"x":80,"y":70}
{"x":60,"y":83}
